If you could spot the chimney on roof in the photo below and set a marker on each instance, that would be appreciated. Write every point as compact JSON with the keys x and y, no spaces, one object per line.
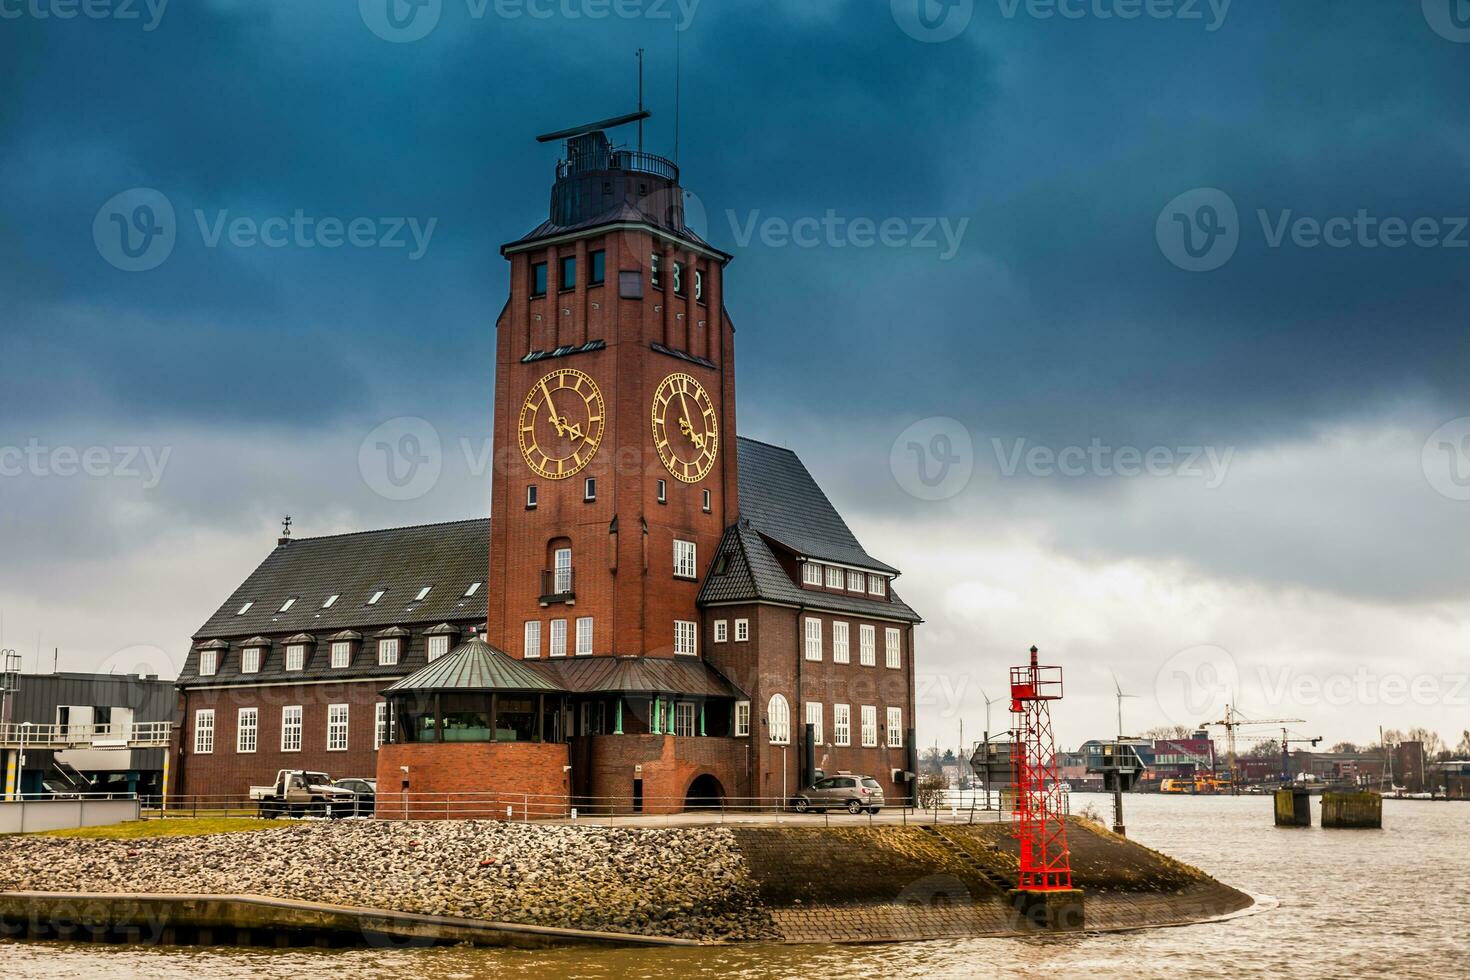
{"x":285,"y":537}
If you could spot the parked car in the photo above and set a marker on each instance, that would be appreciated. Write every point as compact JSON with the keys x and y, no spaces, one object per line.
{"x":298,"y":792}
{"x":364,"y":795}
{"x":855,"y":793}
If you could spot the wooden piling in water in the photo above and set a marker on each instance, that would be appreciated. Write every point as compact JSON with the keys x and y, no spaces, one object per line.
{"x":1293,"y":808}
{"x":1352,"y":810}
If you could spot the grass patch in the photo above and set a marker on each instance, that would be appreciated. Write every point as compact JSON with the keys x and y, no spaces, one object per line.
{"x":170,"y":827}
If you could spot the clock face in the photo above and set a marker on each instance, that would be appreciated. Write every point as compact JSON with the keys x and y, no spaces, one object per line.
{"x":685,"y":430}
{"x":561,"y":425}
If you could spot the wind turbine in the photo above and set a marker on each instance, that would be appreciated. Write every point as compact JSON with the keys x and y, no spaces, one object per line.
{"x":1119,"y":695}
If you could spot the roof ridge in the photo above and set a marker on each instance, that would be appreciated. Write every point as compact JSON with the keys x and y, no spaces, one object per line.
{"x":768,"y":445}
{"x":386,"y":530}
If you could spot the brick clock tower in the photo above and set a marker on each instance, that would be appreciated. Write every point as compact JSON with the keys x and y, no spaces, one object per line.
{"x":614,"y":415}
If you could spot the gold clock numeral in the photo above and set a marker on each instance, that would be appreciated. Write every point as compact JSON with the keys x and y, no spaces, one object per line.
{"x":686,"y":431}
{"x":561,"y":424}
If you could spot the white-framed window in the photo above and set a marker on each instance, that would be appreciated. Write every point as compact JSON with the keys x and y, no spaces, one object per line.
{"x":742,"y":630}
{"x":841,"y":725}
{"x":722,"y":630}
{"x":531,"y":646}
{"x":337,"y":728}
{"x":296,"y":656}
{"x":474,"y":587}
{"x":377,"y":596}
{"x":388,"y":652}
{"x":382,"y":724}
{"x":342,"y":654}
{"x":245,"y":608}
{"x":286,"y":606}
{"x":331,"y":600}
{"x":684,"y":719}
{"x":589,"y":489}
{"x":895,"y":728}
{"x":877,"y":585}
{"x":856,"y":581}
{"x":291,"y":728}
{"x":562,"y":563}
{"x":250,"y":660}
{"x":208,"y":663}
{"x":868,"y":645}
{"x":584,"y":636}
{"x":834,"y":577}
{"x":742,"y":719}
{"x":247,"y":729}
{"x":558,"y":638}
{"x":436,"y":647}
{"x":706,"y":502}
{"x":686,"y":637}
{"x":814,"y":718}
{"x":778,"y":719}
{"x":203,"y":731}
{"x":813,"y":638}
{"x":841,"y":651}
{"x":663,"y":491}
{"x":423,"y":593}
{"x":870,"y":726}
{"x":684,"y":564}
{"x":811,"y":573}
{"x":893,"y":647}
{"x":530,"y":496}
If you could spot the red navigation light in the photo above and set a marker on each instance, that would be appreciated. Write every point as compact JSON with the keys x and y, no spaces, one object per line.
{"x":1038,"y":821}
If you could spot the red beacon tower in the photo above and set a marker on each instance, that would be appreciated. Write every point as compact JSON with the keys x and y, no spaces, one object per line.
{"x":1045,"y":893}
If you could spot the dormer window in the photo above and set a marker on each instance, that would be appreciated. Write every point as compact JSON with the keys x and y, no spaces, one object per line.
{"x":208,"y":663}
{"x":423,"y":593}
{"x":245,"y":608}
{"x":250,"y":660}
{"x":286,"y":606}
{"x":877,"y":585}
{"x":474,"y":587}
{"x":856,"y":581}
{"x":377,"y":597}
{"x":331,"y":600}
{"x":341,"y":654}
{"x":811,"y":574}
{"x":834,"y":577}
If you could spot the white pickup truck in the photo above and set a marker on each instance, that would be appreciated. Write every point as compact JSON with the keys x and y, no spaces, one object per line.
{"x":299,"y":792}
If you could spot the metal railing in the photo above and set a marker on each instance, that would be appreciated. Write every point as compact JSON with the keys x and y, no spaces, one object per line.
{"x":949,"y":807}
{"x":557,"y":584}
{"x":147,"y":734}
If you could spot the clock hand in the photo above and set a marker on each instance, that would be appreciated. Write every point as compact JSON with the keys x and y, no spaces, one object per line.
{"x":694,"y":437}
{"x":574,"y":429}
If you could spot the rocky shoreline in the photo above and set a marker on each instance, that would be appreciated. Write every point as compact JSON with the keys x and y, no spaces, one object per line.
{"x":688,"y":883}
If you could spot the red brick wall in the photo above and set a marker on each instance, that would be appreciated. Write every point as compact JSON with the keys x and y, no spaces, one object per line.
{"x":606,"y":768}
{"x":624,"y":582}
{"x":228,"y":773}
{"x":473,"y":780}
{"x":770,"y":664}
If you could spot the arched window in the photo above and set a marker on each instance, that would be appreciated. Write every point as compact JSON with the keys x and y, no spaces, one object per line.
{"x":778,"y":717}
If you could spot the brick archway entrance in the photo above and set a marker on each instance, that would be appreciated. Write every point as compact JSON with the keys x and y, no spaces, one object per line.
{"x":704,"y":792}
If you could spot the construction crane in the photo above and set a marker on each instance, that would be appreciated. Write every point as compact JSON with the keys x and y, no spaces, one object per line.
{"x":1287,"y":741}
{"x":1230,"y":723}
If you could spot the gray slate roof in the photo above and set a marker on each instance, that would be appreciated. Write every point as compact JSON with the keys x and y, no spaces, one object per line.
{"x":781,"y":499}
{"x":402,"y":560}
{"x":752,"y":573}
{"x":476,"y":666}
{"x":652,"y":675}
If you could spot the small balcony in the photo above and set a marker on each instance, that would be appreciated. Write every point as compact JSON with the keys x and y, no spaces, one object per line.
{"x":558,"y":585}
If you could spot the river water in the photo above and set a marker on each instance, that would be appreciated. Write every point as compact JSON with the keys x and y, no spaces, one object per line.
{"x":1345,"y":903}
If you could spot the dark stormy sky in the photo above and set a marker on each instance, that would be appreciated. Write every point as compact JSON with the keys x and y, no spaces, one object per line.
{"x":1131,"y":329}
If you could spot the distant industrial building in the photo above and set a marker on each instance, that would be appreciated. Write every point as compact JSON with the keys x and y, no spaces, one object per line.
{"x":74,"y":733}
